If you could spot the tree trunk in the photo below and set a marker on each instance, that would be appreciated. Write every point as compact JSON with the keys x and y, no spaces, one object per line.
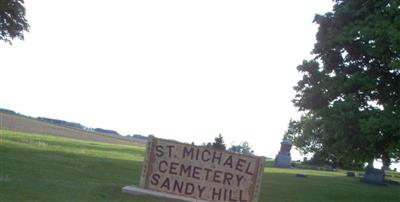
{"x":370,"y":164}
{"x":385,"y":162}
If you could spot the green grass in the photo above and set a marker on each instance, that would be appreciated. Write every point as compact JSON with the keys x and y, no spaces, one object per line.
{"x":282,"y":185}
{"x":49,"y":168}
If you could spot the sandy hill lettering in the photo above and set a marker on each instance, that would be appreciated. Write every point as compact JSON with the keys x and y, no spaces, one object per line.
{"x":200,"y":172}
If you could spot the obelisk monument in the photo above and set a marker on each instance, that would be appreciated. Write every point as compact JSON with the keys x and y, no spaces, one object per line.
{"x":283,"y":158}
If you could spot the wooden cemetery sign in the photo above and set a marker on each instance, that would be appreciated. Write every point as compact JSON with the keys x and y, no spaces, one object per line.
{"x":201,"y":173}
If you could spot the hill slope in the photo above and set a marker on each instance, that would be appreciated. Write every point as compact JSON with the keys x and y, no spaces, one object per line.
{"x":25,"y":124}
{"x":36,"y":167}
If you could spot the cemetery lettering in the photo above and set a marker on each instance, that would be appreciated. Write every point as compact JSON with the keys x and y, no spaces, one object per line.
{"x":201,"y":172}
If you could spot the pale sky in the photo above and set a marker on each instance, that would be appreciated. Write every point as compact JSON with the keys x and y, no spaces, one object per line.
{"x":183,"y":70}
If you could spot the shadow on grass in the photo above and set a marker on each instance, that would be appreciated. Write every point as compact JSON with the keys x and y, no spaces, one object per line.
{"x":283,"y":185}
{"x":40,"y":175}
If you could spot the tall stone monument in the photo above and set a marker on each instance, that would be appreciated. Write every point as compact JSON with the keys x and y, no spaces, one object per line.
{"x":283,"y":158}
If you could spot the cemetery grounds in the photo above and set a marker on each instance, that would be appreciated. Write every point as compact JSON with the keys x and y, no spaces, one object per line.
{"x":37,"y":167}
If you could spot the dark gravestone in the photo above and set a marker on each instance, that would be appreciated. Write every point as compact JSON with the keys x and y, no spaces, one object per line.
{"x":283,"y":158}
{"x":328,"y":168}
{"x":301,"y":175}
{"x":374,"y":176}
{"x":350,"y":174}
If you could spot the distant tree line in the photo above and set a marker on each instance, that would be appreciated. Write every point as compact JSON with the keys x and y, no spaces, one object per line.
{"x":137,"y":136}
{"x":66,"y":123}
{"x":101,"y":130}
{"x":77,"y":126}
{"x":7,"y":111}
{"x":242,"y":148}
{"x":62,"y":123}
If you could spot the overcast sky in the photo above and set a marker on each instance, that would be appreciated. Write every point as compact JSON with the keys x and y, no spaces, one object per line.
{"x":184,"y":70}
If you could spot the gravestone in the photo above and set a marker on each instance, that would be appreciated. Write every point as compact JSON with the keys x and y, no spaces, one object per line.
{"x":283,"y":158}
{"x":195,"y":173}
{"x":350,"y":174}
{"x":328,"y":168}
{"x":301,"y":175}
{"x":374,"y":176}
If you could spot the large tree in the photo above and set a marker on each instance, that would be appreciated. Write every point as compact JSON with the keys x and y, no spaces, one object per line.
{"x":12,"y":20}
{"x":350,"y":91}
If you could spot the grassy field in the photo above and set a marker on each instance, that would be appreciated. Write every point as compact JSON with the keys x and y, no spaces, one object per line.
{"x":49,"y":168}
{"x":22,"y":123}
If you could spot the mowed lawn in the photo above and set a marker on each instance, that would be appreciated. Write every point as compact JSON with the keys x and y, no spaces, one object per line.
{"x":49,"y":168}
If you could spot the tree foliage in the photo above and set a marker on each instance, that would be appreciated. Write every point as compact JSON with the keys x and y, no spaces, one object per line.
{"x":12,"y":20}
{"x":242,"y":148}
{"x":350,"y":91}
{"x":219,"y":143}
